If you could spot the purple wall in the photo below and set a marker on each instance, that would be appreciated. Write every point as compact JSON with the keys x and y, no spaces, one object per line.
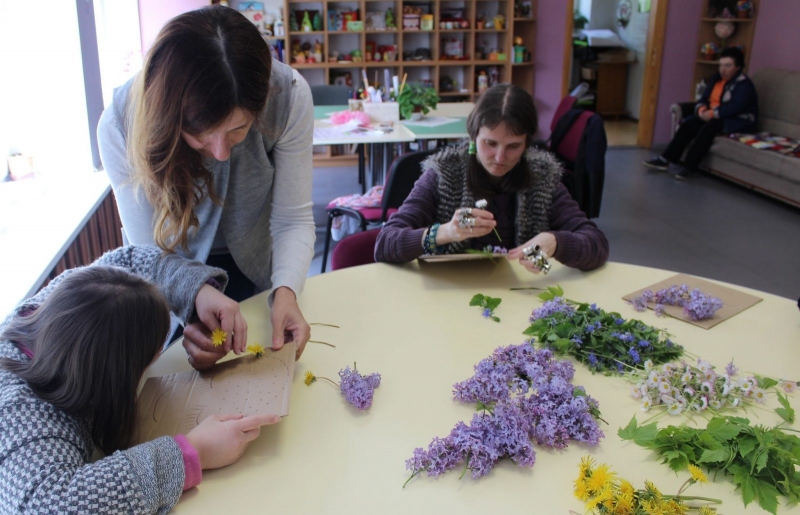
{"x":777,"y":36}
{"x":153,"y":14}
{"x":551,"y":18}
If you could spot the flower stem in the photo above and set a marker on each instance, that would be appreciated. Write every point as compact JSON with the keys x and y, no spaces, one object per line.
{"x":416,"y":472}
{"x":334,"y":383}
{"x":323,"y":343}
{"x":326,"y":325}
{"x":498,"y":235}
{"x":693,"y":498}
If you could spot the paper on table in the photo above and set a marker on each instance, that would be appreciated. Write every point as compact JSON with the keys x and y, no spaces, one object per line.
{"x":431,"y":121}
{"x":734,"y":302}
{"x":442,"y":258}
{"x":177,"y":403}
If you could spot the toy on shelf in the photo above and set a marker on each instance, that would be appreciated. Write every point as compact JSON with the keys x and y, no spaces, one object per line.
{"x":390,"y":25}
{"x":293,"y":26}
{"x":709,"y":51}
{"x":483,"y":81}
{"x":411,"y":17}
{"x":305,"y":25}
{"x":426,"y":22}
{"x":744,"y":9}
{"x":452,"y":48}
{"x":277,"y":27}
{"x":317,"y":21}
{"x":335,"y":20}
{"x":499,"y":22}
{"x":376,"y":21}
{"x":480,"y":23}
{"x":356,"y":56}
{"x":318,"y":52}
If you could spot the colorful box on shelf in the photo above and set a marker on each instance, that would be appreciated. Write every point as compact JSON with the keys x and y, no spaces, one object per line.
{"x":355,"y":26}
{"x":382,"y":112}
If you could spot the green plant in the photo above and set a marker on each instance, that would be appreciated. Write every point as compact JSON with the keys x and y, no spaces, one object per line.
{"x":417,"y":97}
{"x":580,"y":20}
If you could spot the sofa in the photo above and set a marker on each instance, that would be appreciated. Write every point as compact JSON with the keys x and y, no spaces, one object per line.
{"x":765,"y":171}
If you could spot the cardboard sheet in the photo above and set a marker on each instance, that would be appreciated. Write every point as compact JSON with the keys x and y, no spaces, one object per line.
{"x":443,"y":258}
{"x":176,"y":403}
{"x":734,"y":301}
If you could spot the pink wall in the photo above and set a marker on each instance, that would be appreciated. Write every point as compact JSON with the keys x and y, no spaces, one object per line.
{"x":549,"y":59}
{"x":777,"y":36}
{"x":153,"y":14}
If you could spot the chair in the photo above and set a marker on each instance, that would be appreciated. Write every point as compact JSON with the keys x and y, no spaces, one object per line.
{"x":400,"y":179}
{"x":324,"y":95}
{"x":355,"y":250}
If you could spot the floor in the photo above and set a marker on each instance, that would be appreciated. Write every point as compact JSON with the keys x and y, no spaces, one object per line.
{"x":621,"y":133}
{"x":705,"y":226}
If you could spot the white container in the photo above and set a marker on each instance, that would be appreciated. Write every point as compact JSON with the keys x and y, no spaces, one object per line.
{"x":382,"y":112}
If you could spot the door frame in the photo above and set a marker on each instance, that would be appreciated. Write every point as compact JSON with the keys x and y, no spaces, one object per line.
{"x":656,"y":33}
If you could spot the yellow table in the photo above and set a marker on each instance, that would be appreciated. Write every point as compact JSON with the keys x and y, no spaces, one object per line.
{"x":413,"y":324}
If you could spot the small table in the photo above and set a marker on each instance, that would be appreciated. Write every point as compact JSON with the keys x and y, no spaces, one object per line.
{"x":413,"y":324}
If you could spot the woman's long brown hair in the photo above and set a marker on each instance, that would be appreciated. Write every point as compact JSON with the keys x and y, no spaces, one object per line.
{"x":203,"y":65}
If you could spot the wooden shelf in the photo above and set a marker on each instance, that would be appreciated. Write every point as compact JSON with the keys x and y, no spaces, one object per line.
{"x":304,"y":33}
{"x":706,"y":61}
{"x":482,"y":31}
{"x":454,"y":94}
{"x":524,"y":63}
{"x":306,"y":66}
{"x":525,"y":18}
{"x":393,"y":31}
{"x":419,"y":63}
{"x":341,"y":32}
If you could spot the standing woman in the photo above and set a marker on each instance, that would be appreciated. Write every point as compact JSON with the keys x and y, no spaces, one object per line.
{"x":526,"y":204}
{"x":208,"y":150}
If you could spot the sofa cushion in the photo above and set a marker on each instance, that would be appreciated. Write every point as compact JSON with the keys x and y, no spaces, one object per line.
{"x":778,"y":101}
{"x":764,"y":161}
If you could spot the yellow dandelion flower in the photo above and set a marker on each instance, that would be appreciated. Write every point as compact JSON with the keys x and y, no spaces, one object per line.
{"x":310,"y":377}
{"x":707,"y":510}
{"x":626,"y":488}
{"x":601,"y":497}
{"x":600,"y":478}
{"x":581,"y":491}
{"x":673,"y":507}
{"x":587,"y":464}
{"x":625,"y":504}
{"x":256,"y":349}
{"x":651,"y":489}
{"x":698,"y":475}
{"x":218,"y":337}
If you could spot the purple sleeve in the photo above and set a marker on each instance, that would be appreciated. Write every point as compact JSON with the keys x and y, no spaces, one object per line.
{"x":400,"y":239}
{"x":191,"y":463}
{"x":581,"y":244}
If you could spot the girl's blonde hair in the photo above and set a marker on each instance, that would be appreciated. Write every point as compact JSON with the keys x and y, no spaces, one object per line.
{"x":203,"y":65}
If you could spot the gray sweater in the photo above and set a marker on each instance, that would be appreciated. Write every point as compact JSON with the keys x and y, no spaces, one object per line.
{"x":45,"y":453}
{"x":266,"y":218}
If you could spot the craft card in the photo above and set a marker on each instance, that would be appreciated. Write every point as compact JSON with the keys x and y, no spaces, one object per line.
{"x":177,"y":403}
{"x":734,"y":301}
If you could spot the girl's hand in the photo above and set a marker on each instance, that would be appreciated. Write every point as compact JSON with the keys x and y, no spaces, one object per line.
{"x":456,"y":229}
{"x":222,"y":439}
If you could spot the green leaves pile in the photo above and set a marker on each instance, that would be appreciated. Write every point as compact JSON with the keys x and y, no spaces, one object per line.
{"x":762,"y":461}
{"x":605,"y":341}
{"x":489,"y":304}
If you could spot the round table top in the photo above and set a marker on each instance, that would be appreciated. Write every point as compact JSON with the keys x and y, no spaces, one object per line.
{"x":413,"y":324}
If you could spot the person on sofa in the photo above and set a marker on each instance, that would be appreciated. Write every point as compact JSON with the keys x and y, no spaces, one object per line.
{"x":729,"y":104}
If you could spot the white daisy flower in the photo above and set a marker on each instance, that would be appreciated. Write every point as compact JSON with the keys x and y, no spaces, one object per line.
{"x":481,"y":204}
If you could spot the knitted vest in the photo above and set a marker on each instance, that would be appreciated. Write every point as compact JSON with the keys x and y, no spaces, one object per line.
{"x":533,"y":203}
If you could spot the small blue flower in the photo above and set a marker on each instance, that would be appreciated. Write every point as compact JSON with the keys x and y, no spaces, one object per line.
{"x":619,"y":321}
{"x":487,"y":312}
{"x":644,"y":344}
{"x":592,"y":359}
{"x":634,"y":355}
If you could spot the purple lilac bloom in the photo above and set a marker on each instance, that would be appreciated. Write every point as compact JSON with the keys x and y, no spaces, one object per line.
{"x":660,"y":310}
{"x":551,"y":307}
{"x":532,"y":398}
{"x":674,"y":295}
{"x":731,"y":369}
{"x":357,"y":389}
{"x":701,"y":306}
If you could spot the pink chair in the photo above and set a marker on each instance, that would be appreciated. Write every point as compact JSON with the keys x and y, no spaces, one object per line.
{"x":355,"y":250}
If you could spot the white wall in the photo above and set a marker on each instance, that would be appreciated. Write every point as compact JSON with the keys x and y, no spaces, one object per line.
{"x":604,"y":14}
{"x":584,"y":7}
{"x":635,"y":37}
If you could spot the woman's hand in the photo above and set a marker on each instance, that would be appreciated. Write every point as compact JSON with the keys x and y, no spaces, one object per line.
{"x":454,"y":230}
{"x":288,"y":323}
{"x":222,"y":439}
{"x":216,"y":311}
{"x":546,"y":241}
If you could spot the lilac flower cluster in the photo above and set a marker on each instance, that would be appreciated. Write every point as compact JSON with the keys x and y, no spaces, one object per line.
{"x":524,"y":394}
{"x":551,"y":307}
{"x":696,"y":304}
{"x":357,"y":389}
{"x":494,"y":249}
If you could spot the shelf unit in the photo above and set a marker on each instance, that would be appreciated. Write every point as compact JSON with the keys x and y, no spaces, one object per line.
{"x":704,"y":68}
{"x":464,"y":72}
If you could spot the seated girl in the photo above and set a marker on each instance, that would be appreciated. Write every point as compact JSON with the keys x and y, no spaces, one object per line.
{"x":525,"y":205}
{"x":71,"y":359}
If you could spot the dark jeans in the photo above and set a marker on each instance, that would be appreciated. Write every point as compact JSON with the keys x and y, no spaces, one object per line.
{"x":239,"y":286}
{"x":695,"y":134}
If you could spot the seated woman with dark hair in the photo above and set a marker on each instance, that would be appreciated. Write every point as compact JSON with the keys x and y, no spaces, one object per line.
{"x":526,"y":203}
{"x":71,"y":359}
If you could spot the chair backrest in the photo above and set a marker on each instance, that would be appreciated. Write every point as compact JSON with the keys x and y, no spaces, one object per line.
{"x":354,"y":250}
{"x":324,"y":95}
{"x":567,"y":146}
{"x":778,"y":102}
{"x":567,"y":103}
{"x":400,"y":179}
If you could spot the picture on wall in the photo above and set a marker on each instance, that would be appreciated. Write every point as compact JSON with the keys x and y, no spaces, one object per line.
{"x":644,"y":6}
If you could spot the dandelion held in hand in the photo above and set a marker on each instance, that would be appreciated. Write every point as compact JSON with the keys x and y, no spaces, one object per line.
{"x":256,"y":349}
{"x":358,"y":390}
{"x":483,"y":204}
{"x":218,"y":337}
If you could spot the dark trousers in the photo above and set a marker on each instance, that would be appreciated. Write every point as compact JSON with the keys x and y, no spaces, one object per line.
{"x":239,"y":286}
{"x":695,"y":134}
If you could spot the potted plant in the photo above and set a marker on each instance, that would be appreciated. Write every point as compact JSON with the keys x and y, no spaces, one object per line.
{"x":416,"y":100}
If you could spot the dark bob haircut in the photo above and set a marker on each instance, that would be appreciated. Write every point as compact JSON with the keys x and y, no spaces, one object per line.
{"x":735,"y":53}
{"x":91,"y":341}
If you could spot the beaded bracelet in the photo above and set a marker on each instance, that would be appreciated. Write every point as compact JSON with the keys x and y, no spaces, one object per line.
{"x":430,"y":241}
